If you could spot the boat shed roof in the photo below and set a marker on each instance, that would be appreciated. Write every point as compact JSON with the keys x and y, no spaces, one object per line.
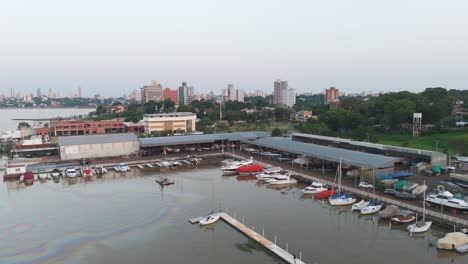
{"x":350,"y":157}
{"x":195,"y":139}
{"x":96,"y":139}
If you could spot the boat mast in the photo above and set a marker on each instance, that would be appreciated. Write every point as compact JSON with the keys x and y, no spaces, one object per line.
{"x":339,"y":178}
{"x":424,"y":203}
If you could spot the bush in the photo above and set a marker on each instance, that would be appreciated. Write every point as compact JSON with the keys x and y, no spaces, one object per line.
{"x":276,"y":132}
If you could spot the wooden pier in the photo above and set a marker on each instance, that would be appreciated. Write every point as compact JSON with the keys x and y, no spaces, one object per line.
{"x":281,"y":253}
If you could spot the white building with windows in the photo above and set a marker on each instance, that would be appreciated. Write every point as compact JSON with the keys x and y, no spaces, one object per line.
{"x":177,"y":122}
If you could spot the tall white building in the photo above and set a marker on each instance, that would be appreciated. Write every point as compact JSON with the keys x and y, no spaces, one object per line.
{"x":233,"y":94}
{"x":282,"y":95}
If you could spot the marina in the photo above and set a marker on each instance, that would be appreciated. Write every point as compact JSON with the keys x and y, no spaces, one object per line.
{"x":267,"y":211}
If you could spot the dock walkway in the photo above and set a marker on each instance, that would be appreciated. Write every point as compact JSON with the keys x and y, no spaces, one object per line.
{"x":281,"y":253}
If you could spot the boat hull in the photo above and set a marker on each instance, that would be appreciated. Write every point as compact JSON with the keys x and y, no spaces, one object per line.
{"x":324,"y":194}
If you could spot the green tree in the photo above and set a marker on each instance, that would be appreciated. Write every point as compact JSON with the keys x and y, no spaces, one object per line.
{"x":23,"y":125}
{"x":276,"y":132}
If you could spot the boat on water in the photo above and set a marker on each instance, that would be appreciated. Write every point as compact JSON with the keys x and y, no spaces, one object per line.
{"x":404,"y":217}
{"x":121,"y":167}
{"x":209,"y":219}
{"x":324,"y":194}
{"x":234,"y":165}
{"x":446,"y":198}
{"x":366,"y":185}
{"x":164,"y":181}
{"x":56,"y":173}
{"x":313,"y":188}
{"x":452,"y":241}
{"x":71,"y":172}
{"x":43,"y":176}
{"x":266,"y":176}
{"x":86,"y":172}
{"x":361,"y":204}
{"x":371,"y":209}
{"x":249,"y":169}
{"x":389,"y":212}
{"x":28,"y":178}
{"x":339,"y":198}
{"x":423,"y":225}
{"x":272,"y":170}
{"x":281,"y":179}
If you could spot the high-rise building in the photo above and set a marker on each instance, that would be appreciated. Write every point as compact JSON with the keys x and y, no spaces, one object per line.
{"x":280,"y":92}
{"x":186,"y":94}
{"x":151,"y":92}
{"x":282,"y":95}
{"x":11,"y":92}
{"x":232,"y":94}
{"x":332,"y":95}
{"x":79,"y":92}
{"x":259,"y":93}
{"x":173,"y":95}
{"x":38,"y":93}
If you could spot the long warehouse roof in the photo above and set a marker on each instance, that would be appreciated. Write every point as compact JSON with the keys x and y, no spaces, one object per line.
{"x":195,"y":139}
{"x":350,"y":157}
{"x":96,"y":139}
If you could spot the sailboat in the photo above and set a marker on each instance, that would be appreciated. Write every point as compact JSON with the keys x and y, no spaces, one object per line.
{"x":423,"y":225}
{"x":339,"y":198}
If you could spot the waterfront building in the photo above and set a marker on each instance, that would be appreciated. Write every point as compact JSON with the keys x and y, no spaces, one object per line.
{"x":11,"y":92}
{"x":172,"y":95}
{"x":79,"y":93}
{"x":151,"y":92}
{"x":178,"y":122}
{"x":97,"y":146}
{"x":78,"y":127}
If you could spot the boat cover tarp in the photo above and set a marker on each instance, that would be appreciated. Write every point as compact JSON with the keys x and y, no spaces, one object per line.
{"x":389,"y":211}
{"x":401,"y":174}
{"x":435,"y":169}
{"x":399,"y":184}
{"x":419,"y":190}
{"x":452,"y":240}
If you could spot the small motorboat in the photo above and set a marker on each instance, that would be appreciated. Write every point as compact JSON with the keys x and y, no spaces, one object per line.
{"x":209,"y":219}
{"x":272,"y":170}
{"x":409,"y":186}
{"x":447,"y":199}
{"x":266,"y":176}
{"x":165,"y":164}
{"x":419,"y":227}
{"x":55,"y":173}
{"x":86,"y":172}
{"x":315,"y":187}
{"x":341,"y":199}
{"x":281,"y":179}
{"x":324,"y":194}
{"x":164,"y":181}
{"x":234,"y":165}
{"x":452,"y":241}
{"x":122,"y":167}
{"x":43,"y":176}
{"x":70,"y":172}
{"x":371,"y":209}
{"x":361,"y":204}
{"x":389,"y":212}
{"x":250,"y":169}
{"x":462,"y":249}
{"x":404,"y":217}
{"x":366,"y":185}
{"x":189,"y":149}
{"x":28,"y":178}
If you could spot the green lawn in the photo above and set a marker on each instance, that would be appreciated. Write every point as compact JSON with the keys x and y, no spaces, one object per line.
{"x":451,"y":142}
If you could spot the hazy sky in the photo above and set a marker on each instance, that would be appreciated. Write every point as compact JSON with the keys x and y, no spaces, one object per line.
{"x":113,"y":46}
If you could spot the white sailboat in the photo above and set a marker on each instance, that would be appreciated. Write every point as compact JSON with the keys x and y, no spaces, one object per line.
{"x":339,"y":198}
{"x":423,"y":225}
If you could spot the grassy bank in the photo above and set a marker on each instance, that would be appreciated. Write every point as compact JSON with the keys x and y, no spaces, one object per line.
{"x":450,"y":142}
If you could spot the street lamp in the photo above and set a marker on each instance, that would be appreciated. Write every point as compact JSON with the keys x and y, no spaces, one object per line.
{"x":437,"y":144}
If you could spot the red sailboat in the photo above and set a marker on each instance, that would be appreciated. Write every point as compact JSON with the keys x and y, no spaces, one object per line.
{"x":325,"y":194}
{"x":249,"y":169}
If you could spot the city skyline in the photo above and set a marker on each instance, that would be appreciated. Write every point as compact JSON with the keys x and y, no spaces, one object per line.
{"x":393,"y":46}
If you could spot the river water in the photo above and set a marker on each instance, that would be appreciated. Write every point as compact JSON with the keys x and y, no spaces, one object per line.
{"x":7,"y":114}
{"x":130,"y":219}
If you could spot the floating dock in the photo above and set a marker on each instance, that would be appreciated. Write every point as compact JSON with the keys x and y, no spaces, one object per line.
{"x":149,"y":165}
{"x":281,"y":253}
{"x":140,"y":166}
